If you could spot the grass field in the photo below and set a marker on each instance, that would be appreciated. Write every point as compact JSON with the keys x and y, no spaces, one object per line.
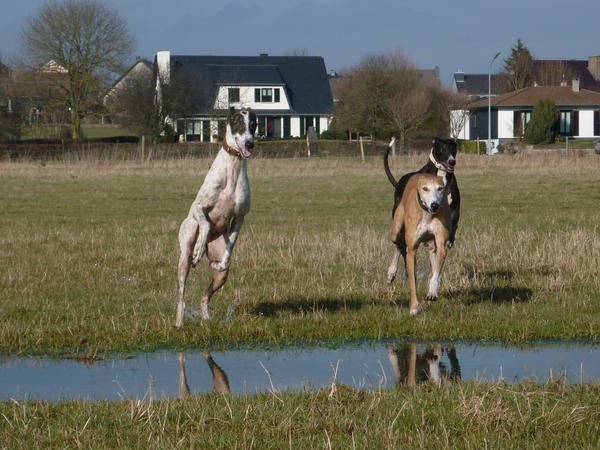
{"x":457,"y":416}
{"x":89,"y":253}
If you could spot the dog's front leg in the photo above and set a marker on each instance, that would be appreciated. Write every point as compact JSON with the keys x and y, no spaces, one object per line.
{"x":203,"y":230}
{"x":411,"y":267}
{"x":437,"y":258}
{"x":236,"y":226}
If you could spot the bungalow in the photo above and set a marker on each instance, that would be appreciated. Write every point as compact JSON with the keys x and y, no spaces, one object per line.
{"x":579,"y":111}
{"x":288,"y":93}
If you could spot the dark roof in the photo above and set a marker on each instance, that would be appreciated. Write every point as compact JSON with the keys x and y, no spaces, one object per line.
{"x":304,"y":78}
{"x":143,"y":61}
{"x":574,"y":68}
{"x":560,"y":95}
{"x":240,"y":74}
{"x":477,"y":84}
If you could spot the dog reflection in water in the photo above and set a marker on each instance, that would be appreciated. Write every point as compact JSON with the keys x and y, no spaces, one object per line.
{"x":411,"y":368}
{"x":220,"y":381}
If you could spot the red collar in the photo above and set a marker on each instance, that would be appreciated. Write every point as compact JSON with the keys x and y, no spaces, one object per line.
{"x":229,"y":150}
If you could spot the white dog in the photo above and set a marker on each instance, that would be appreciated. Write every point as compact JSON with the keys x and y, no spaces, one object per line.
{"x":217,"y":214}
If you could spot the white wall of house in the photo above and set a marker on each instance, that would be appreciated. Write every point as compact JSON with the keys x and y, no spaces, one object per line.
{"x":586,"y":123}
{"x":247,"y":98}
{"x":506,"y":124}
{"x":324,"y":123}
{"x":295,"y":126}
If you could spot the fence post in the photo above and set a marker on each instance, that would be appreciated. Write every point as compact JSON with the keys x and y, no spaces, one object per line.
{"x":478,"y":145}
{"x":143,"y":146}
{"x":362,"y":150}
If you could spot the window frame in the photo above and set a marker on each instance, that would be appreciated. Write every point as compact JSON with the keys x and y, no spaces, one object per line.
{"x":231,"y":91}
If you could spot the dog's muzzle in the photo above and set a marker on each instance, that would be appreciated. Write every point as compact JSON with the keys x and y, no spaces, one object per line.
{"x":245,"y":147}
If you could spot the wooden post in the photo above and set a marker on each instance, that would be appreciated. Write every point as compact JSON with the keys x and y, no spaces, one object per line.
{"x":478,"y":145}
{"x":143,"y":146}
{"x":362,"y":150}
{"x":567,"y":142}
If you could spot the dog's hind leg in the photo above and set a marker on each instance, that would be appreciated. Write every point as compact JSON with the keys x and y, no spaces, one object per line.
{"x":188,"y":233}
{"x":393,"y":267}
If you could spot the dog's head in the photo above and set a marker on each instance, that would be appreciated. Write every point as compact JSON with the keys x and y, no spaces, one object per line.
{"x":443,"y":152}
{"x":241,"y":126}
{"x":430,"y":192}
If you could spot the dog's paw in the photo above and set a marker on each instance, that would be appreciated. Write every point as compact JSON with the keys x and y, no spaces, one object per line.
{"x":219,"y":266}
{"x":431,"y":297}
{"x":415,"y":311}
{"x":449,"y":244}
{"x":391,"y":276}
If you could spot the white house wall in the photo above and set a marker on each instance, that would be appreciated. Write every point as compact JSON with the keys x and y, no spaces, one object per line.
{"x":506,"y":124}
{"x":324,"y":123}
{"x":295,"y":126}
{"x":247,"y":98}
{"x":586,"y":123}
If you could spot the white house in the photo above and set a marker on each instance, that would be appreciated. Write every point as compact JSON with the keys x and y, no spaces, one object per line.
{"x":288,"y":93}
{"x":579,"y":111}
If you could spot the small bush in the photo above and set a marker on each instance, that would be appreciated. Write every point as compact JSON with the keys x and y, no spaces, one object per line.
{"x":542,"y":127}
{"x":338,"y":135}
{"x":471,"y":146}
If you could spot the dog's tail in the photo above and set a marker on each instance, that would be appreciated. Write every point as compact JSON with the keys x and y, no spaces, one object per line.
{"x":386,"y":167}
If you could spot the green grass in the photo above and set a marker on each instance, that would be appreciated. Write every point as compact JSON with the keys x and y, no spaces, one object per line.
{"x":89,"y":255}
{"x":98,"y":132}
{"x":458,"y":416}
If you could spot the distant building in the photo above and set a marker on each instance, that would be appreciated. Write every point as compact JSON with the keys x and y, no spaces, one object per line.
{"x":288,"y":93}
{"x":475,"y":85}
{"x":579,"y":111}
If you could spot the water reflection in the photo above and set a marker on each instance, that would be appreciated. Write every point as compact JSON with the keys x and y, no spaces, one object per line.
{"x":362,"y":365}
{"x":411,"y":367}
{"x":220,"y":381}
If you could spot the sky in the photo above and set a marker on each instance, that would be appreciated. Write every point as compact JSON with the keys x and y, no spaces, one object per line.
{"x":451,"y":34}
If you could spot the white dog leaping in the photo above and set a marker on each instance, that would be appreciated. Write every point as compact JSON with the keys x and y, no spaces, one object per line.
{"x":217,"y":214}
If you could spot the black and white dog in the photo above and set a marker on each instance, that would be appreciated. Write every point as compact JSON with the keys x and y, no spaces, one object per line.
{"x":442,"y":160}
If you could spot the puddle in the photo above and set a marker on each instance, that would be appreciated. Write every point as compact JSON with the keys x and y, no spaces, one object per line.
{"x":371,"y":365}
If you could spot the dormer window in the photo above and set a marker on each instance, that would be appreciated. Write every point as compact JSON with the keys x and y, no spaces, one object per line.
{"x":266,"y":95}
{"x":234,"y":95}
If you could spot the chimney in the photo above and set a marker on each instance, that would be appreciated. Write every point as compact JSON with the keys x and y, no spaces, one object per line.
{"x":163,"y":62}
{"x":563,"y":83}
{"x":575,"y":84}
{"x":594,"y":66}
{"x":264,"y":54}
{"x":459,"y":76}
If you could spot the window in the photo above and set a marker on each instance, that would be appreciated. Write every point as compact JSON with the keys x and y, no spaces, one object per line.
{"x":565,"y":122}
{"x":286,"y":127}
{"x":234,"y":95}
{"x":265,"y":95}
{"x":596,"y":123}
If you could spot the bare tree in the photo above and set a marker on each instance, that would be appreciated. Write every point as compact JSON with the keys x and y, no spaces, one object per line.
{"x":551,"y":72}
{"x":459,"y":114}
{"x":135,"y":104}
{"x":387,"y":94}
{"x":85,"y":37}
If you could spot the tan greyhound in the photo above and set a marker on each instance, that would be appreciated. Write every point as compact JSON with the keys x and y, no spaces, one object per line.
{"x":422,"y":215}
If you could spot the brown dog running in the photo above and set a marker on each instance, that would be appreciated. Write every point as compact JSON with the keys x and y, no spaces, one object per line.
{"x":422,"y":215}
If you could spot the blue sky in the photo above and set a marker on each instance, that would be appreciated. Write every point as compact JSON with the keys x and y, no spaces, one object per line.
{"x":451,"y":34}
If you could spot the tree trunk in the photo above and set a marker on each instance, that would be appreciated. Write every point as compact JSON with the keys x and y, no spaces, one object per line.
{"x":75,"y":125}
